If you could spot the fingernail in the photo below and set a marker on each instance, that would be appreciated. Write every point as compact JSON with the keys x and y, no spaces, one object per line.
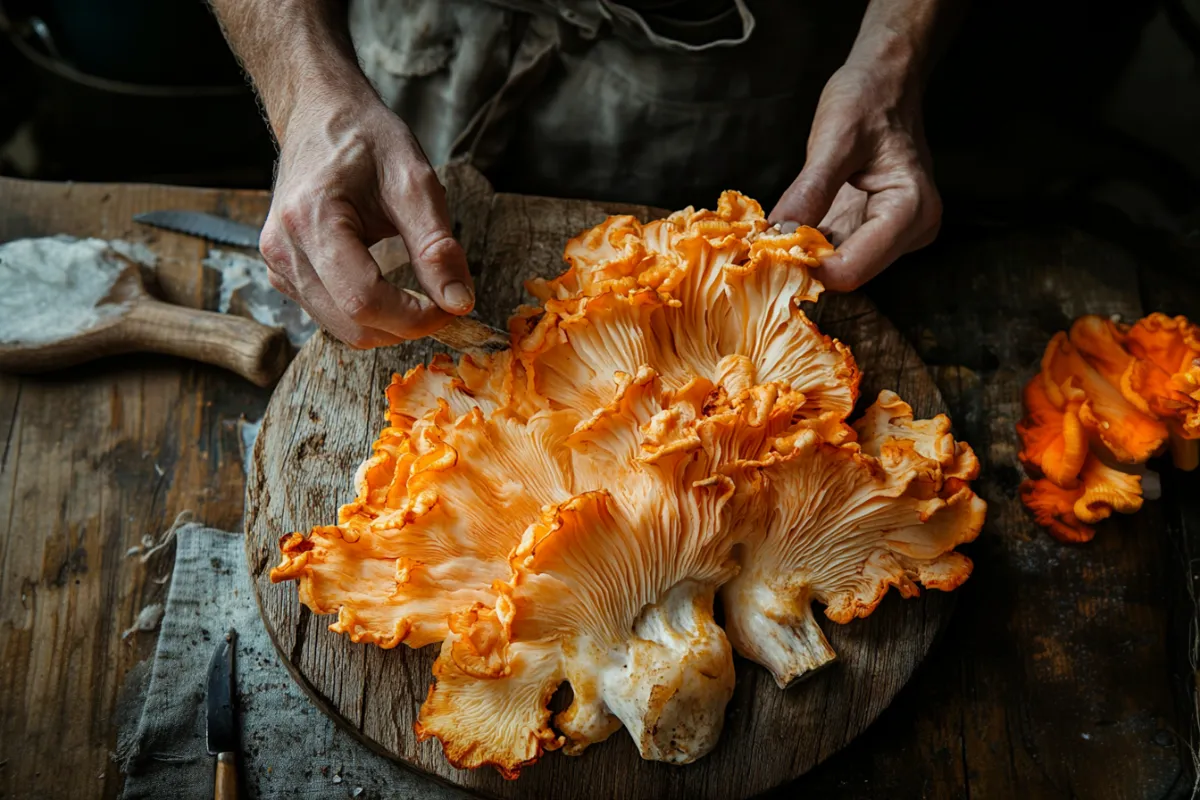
{"x":458,"y":295}
{"x":788,"y":227}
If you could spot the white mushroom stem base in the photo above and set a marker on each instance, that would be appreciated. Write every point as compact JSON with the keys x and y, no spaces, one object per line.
{"x":778,"y":631}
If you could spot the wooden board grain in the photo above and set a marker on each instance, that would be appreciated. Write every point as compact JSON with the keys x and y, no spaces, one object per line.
{"x":319,"y":426}
{"x":92,"y":459}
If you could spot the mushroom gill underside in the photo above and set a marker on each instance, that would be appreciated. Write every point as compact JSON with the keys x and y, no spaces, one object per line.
{"x":667,"y":427}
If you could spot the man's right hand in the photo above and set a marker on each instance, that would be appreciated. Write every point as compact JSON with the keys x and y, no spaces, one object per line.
{"x":349,"y":175}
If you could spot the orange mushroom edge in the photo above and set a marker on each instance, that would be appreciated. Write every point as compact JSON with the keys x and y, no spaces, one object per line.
{"x":1108,"y":398}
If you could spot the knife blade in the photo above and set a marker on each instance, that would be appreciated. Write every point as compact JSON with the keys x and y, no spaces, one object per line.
{"x":206,"y":226}
{"x":467,"y":332}
{"x":460,"y":333}
{"x":222,"y":730}
{"x":221,"y":727}
{"x":470,"y":333}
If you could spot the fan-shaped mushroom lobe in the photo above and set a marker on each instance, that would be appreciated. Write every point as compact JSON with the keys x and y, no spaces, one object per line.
{"x":839,"y":525}
{"x":667,"y":425}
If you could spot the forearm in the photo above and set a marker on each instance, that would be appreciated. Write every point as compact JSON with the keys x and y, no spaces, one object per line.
{"x":297,"y":52}
{"x":905,"y":37}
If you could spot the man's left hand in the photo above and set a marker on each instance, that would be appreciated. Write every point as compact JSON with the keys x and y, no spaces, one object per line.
{"x":867,"y":181}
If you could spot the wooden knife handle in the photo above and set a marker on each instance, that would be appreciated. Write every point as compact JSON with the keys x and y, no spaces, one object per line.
{"x":256,"y":352}
{"x":225,"y":786}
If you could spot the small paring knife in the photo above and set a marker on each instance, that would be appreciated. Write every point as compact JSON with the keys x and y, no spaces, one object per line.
{"x":222,"y":719}
{"x":465,"y":333}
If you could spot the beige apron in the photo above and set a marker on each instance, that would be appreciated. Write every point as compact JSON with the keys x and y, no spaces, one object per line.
{"x":586,"y":98}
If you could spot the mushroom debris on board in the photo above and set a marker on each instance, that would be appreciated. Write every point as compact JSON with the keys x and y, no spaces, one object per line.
{"x":1108,"y":398}
{"x":667,"y":425}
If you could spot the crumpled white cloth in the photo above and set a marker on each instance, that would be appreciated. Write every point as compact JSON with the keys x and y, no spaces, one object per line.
{"x":289,"y":747}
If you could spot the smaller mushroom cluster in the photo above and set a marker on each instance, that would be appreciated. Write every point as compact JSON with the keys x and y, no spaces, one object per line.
{"x":1108,"y":398}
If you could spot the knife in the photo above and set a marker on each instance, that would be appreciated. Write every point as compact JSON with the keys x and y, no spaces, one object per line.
{"x":206,"y":226}
{"x":222,"y":728}
{"x":461,"y":332}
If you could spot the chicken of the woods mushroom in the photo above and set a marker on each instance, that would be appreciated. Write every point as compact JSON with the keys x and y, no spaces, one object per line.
{"x":667,"y":427}
{"x":1108,"y":397}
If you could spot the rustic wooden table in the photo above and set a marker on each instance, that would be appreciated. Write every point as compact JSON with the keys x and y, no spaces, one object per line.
{"x":1065,"y":672}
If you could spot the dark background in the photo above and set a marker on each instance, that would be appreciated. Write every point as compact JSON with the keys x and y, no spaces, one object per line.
{"x":1055,"y":102}
{"x":1084,"y":112}
{"x":126,"y":90}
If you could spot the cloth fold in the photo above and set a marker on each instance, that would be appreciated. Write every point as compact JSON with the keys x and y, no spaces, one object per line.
{"x":289,"y":747}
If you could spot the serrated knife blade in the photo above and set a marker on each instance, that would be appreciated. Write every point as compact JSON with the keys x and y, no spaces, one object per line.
{"x":206,"y":226}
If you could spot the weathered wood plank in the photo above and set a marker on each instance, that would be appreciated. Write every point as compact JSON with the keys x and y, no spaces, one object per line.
{"x":1054,"y":679}
{"x":91,"y":460}
{"x":320,"y":425}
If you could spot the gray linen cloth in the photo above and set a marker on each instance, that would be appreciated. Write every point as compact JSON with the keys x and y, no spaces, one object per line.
{"x":289,"y":747}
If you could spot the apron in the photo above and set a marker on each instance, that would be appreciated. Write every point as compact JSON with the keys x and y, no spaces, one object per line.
{"x":595,"y":99}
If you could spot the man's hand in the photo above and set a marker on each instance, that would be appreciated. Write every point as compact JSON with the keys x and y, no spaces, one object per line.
{"x":350,"y":173}
{"x":867,"y":180}
{"x":348,"y":177}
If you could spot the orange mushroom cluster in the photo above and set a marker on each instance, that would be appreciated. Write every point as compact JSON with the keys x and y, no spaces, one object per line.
{"x":1108,"y":398}
{"x":668,"y":427}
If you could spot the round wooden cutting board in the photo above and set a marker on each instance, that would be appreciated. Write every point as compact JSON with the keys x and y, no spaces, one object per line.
{"x":328,"y":409}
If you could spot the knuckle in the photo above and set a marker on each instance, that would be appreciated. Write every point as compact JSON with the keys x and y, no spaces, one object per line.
{"x":815,"y":192}
{"x":293,"y":216}
{"x":439,"y":247}
{"x":360,"y":305}
{"x":342,"y":222}
{"x":274,"y":249}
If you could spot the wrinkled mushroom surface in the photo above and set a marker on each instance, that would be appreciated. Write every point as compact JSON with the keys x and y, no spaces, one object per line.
{"x":668,"y":428}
